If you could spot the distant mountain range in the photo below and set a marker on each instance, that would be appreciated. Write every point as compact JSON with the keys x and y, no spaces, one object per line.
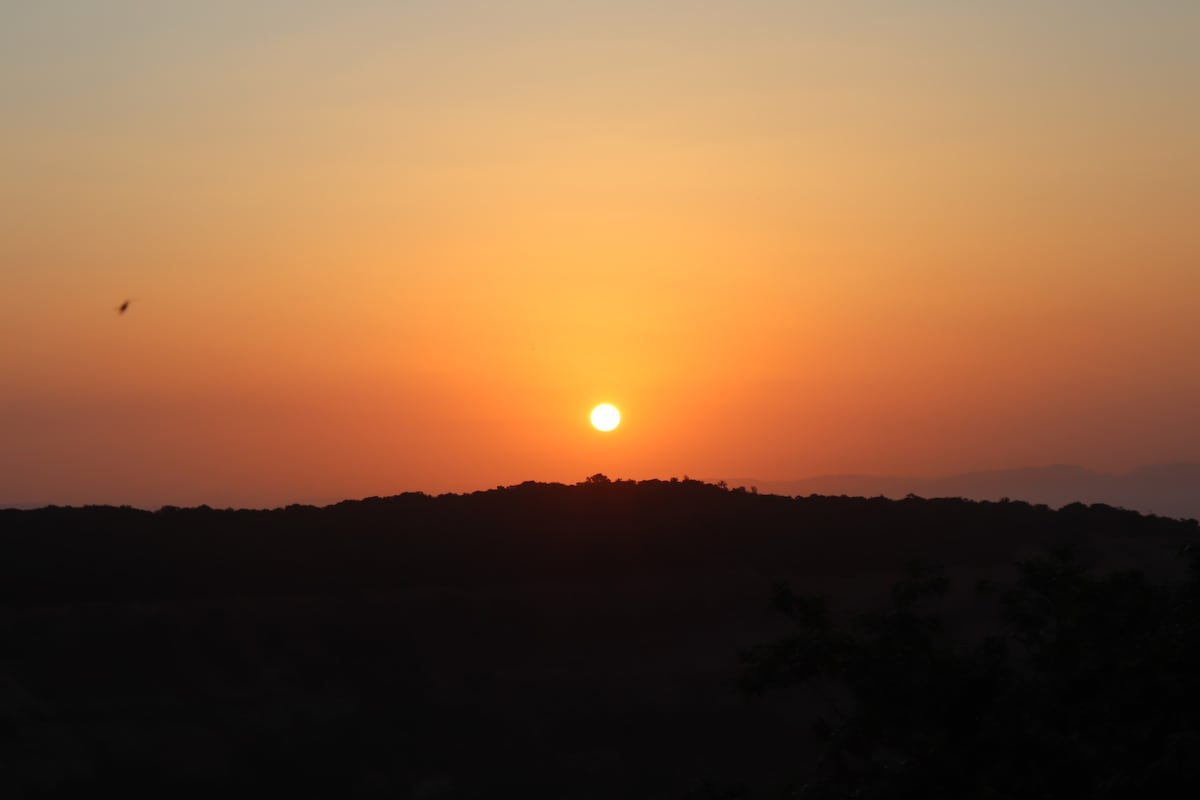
{"x":1169,"y":490}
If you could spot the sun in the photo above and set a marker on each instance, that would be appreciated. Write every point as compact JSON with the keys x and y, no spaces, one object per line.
{"x":605,"y":417}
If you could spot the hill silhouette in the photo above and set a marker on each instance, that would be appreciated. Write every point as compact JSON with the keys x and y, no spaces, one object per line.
{"x":541,"y":639}
{"x":1169,"y":490}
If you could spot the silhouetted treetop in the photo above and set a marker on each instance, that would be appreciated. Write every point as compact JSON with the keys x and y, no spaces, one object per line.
{"x":1083,"y":685}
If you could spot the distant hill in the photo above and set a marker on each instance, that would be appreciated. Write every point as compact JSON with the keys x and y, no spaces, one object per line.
{"x":534,"y":641}
{"x":1168,"y":490}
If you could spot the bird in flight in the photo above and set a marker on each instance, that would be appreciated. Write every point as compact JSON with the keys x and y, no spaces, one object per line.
{"x":121,"y":309}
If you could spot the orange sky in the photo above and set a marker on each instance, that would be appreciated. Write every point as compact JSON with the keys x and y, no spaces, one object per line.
{"x":374,"y":250}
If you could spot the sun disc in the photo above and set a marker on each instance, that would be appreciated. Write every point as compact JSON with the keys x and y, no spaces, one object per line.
{"x":605,"y":417}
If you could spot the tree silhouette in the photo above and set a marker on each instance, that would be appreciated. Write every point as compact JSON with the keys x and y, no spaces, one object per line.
{"x":1088,"y":688}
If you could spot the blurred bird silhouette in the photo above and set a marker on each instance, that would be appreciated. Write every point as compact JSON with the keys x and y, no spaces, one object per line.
{"x":121,"y":309}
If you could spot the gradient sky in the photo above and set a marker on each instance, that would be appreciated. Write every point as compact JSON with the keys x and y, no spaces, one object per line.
{"x":381,"y":246}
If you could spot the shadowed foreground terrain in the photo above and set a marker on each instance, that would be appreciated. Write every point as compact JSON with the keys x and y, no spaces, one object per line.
{"x":608,"y":639}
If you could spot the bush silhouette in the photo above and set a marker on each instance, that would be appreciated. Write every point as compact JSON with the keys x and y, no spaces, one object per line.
{"x":1087,"y":687}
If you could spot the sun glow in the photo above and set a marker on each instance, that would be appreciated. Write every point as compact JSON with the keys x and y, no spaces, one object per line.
{"x":605,"y":417}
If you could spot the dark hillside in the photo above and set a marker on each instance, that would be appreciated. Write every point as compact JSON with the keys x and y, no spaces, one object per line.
{"x":560,"y":641}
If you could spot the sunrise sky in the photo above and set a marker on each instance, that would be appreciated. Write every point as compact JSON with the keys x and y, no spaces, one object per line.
{"x":376,"y":247}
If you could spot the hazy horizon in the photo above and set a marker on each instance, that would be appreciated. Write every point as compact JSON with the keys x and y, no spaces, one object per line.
{"x":981,"y":484}
{"x":373,"y":248}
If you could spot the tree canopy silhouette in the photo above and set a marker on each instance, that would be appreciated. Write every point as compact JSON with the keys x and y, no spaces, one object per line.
{"x":1086,"y":686}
